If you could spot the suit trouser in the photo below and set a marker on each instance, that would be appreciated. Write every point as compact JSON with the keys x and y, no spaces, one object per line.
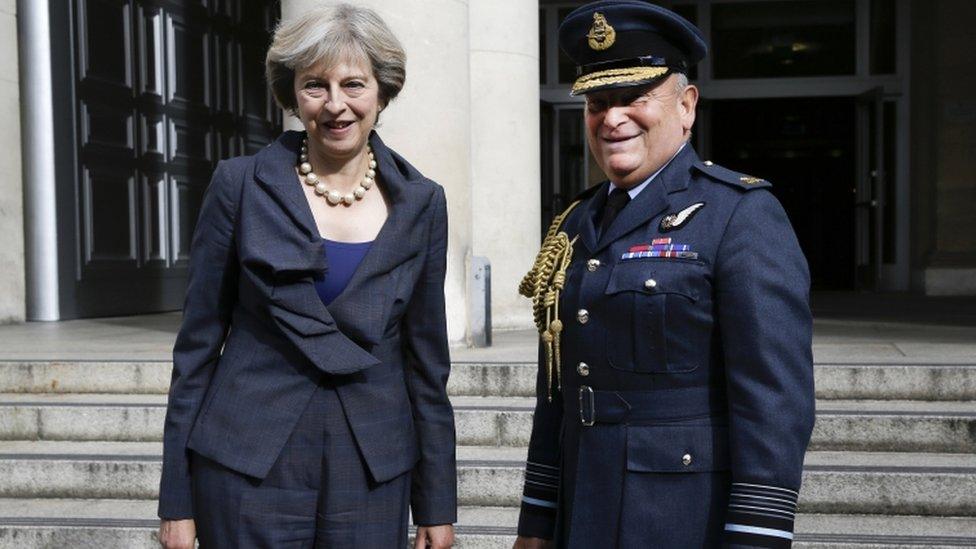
{"x":317,"y":495}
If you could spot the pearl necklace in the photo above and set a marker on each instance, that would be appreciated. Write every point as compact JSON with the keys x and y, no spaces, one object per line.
{"x":332,"y":195}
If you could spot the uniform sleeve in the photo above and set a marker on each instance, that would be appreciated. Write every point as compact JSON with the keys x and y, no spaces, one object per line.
{"x":433,"y":496}
{"x":537,"y":517}
{"x":766,"y":329}
{"x":210,"y":296}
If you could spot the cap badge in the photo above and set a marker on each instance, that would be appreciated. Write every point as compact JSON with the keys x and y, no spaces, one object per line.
{"x":601,"y":35}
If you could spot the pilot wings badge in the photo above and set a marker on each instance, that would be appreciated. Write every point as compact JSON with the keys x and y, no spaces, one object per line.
{"x":677,"y":220}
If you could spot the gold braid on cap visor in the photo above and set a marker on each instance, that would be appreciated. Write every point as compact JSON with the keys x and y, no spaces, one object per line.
{"x":616,"y":76}
{"x":543,"y":284}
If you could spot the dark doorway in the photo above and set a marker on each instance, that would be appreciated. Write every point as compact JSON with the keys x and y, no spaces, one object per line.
{"x":149,"y":95}
{"x":806,"y":148}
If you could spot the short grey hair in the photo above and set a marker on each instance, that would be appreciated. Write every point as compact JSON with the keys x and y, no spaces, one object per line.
{"x":327,"y":34}
{"x":680,"y":82}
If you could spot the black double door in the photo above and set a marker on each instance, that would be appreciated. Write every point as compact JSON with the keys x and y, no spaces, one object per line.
{"x":149,"y":95}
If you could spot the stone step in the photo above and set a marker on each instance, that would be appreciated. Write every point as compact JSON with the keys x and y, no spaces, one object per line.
{"x":484,"y":421}
{"x":834,"y":482}
{"x":897,"y":426}
{"x":26,"y":523}
{"x":833,"y":380}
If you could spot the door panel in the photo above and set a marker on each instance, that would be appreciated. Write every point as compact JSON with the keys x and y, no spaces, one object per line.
{"x":109,"y":200}
{"x":103,"y":41}
{"x":188,"y":81}
{"x":160,"y":91}
{"x":187,"y":197}
{"x":154,"y":222}
{"x":870,"y":189}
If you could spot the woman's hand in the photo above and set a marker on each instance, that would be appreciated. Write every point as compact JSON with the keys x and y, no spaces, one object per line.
{"x":523,"y":542}
{"x":436,"y":537}
{"x":177,"y":534}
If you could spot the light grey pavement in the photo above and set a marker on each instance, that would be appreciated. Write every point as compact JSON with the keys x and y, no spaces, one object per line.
{"x":150,"y":338}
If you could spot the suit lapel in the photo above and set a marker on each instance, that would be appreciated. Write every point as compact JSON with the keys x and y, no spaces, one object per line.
{"x":361,"y":310}
{"x":275,"y":170}
{"x":294,"y":248}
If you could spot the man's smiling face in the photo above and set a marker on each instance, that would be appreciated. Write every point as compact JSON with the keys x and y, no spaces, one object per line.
{"x":633,"y":131}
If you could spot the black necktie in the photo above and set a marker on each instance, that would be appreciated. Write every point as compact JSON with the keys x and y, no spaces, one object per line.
{"x":615,"y":202}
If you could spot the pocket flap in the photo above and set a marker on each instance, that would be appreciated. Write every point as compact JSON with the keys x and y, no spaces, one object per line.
{"x":677,"y":448}
{"x":655,"y":277}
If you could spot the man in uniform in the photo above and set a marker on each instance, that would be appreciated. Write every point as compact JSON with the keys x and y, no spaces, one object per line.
{"x":676,"y":377}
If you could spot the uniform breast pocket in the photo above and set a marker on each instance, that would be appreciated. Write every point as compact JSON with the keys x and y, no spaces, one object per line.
{"x":653,"y":300}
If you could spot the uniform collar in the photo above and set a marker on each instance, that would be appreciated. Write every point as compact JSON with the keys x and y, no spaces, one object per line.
{"x":634,"y":191}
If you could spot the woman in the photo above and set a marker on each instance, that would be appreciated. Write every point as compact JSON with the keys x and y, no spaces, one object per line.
{"x":308,"y":403}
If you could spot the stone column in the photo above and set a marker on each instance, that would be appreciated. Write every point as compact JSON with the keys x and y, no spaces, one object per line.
{"x":430,"y":123}
{"x":12,"y":263}
{"x":505,"y":155}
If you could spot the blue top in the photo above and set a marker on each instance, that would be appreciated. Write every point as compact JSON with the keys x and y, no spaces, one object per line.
{"x":343,"y":259}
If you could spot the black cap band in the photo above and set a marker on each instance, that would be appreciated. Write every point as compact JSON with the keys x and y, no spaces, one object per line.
{"x":643,"y":61}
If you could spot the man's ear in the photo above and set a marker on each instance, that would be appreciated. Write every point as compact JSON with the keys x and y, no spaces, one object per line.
{"x":687,"y":103}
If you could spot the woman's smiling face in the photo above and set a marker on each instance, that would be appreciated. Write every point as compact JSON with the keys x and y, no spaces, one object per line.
{"x":338,"y":105}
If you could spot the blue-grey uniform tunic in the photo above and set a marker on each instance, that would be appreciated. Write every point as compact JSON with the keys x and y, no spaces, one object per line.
{"x":687,"y":397}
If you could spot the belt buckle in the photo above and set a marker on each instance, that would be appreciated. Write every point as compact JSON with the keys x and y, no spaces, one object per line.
{"x":586,"y":395}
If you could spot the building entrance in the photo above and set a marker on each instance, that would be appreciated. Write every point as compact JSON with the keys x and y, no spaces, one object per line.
{"x":827,"y":158}
{"x":807,"y":148}
{"x":810,"y":94}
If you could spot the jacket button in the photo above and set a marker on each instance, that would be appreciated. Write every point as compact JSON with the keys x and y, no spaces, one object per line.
{"x":708,"y":163}
{"x":583,"y":369}
{"x":650,"y":283}
{"x":583,"y":316}
{"x":592,"y":265}
{"x":686,"y":460}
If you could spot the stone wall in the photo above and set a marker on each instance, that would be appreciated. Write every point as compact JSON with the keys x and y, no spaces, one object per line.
{"x":944,"y":138}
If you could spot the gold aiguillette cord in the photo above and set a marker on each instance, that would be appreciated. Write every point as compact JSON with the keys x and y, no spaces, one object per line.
{"x":544,"y":284}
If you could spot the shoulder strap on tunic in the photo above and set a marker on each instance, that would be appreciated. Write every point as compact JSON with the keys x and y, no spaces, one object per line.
{"x":729,"y":177}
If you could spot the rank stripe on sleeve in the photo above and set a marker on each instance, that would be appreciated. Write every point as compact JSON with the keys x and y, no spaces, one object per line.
{"x":541,"y":485}
{"x":760,"y":515}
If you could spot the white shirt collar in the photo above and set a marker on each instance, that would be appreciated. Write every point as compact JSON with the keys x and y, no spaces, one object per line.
{"x":634,"y":191}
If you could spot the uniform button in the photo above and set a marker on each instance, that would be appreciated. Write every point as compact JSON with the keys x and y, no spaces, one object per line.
{"x":583,"y":316}
{"x":708,"y":162}
{"x":686,"y":460}
{"x":650,"y":283}
{"x":592,"y":265}
{"x":583,"y":369}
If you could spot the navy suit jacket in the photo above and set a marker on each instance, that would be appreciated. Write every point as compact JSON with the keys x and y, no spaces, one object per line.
{"x":256,"y":338}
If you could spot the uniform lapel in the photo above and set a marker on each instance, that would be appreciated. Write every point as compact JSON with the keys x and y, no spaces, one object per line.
{"x":587,"y":225}
{"x":652,"y":200}
{"x":649,"y":203}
